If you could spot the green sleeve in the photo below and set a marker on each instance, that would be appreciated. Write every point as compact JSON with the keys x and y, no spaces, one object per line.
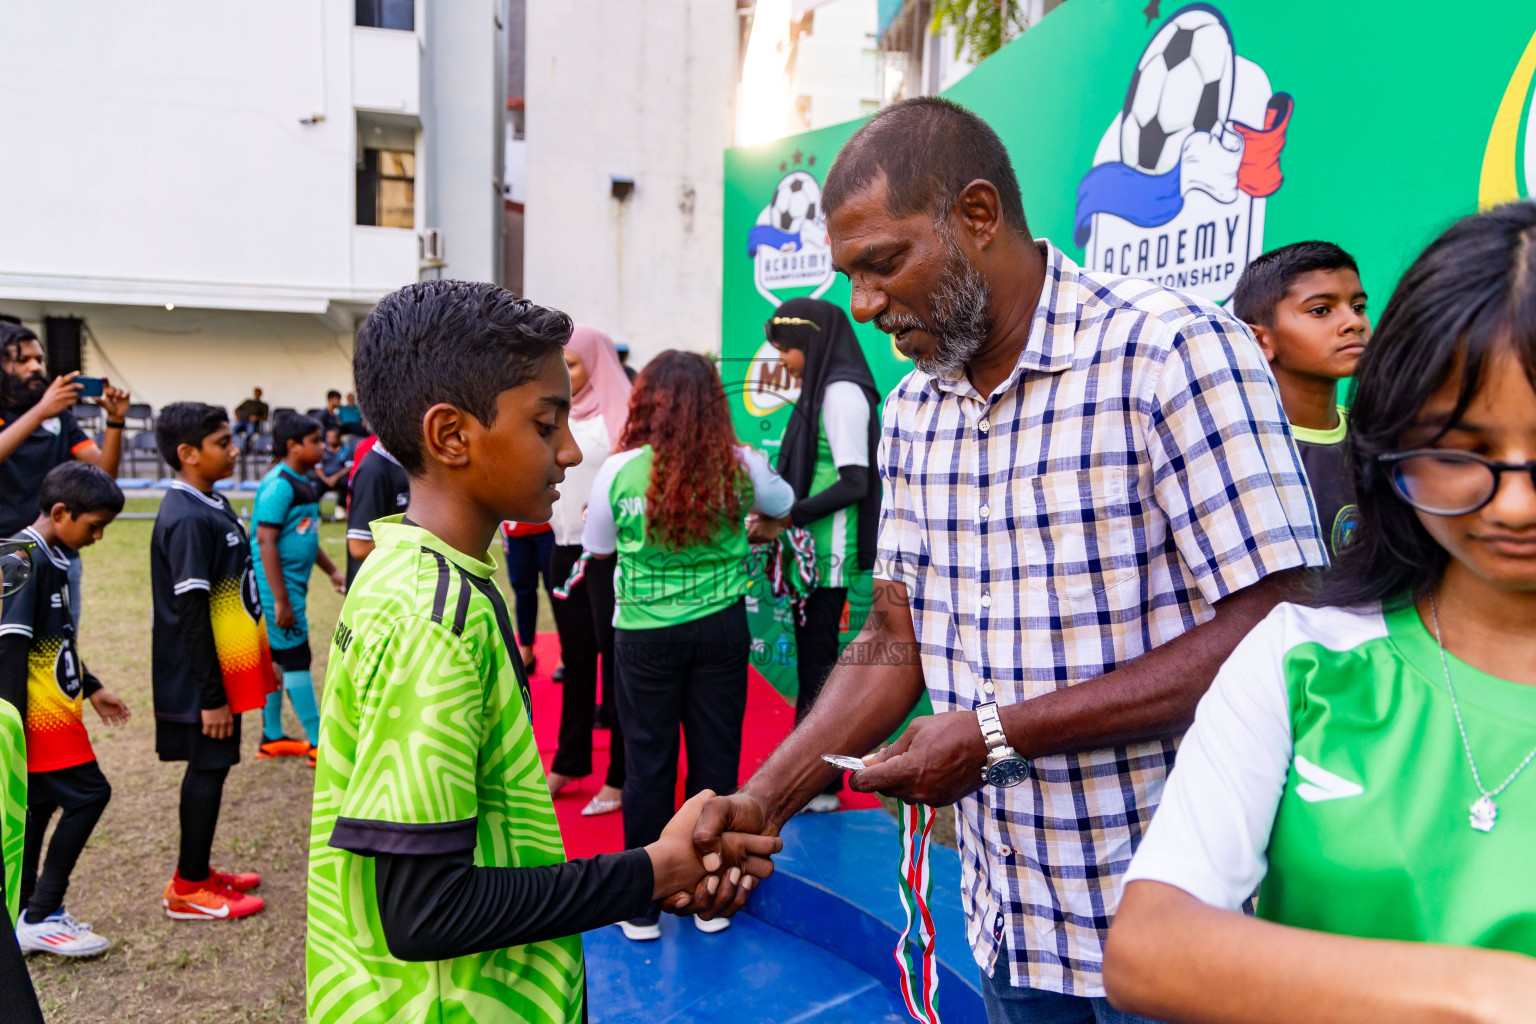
{"x":420,"y":707}
{"x":13,"y":803}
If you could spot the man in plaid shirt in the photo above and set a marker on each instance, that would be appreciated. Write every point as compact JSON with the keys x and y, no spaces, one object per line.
{"x":1090,"y":497}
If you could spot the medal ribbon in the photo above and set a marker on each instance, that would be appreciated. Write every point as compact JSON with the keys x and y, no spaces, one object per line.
{"x":797,"y":547}
{"x":578,"y":571}
{"x":914,"y":949}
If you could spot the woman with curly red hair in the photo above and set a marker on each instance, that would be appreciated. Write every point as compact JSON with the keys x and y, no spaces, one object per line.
{"x":671,"y":504}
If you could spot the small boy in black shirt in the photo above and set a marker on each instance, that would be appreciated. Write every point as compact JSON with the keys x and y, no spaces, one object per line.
{"x":210,"y":655}
{"x":1306,"y":306}
{"x":42,"y":675}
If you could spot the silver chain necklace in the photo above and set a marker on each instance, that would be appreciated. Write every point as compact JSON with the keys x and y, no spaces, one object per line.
{"x":1484,"y":811}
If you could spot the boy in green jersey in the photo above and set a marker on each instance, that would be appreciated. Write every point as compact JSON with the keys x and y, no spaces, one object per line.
{"x":1306,"y":306}
{"x":1370,"y":764}
{"x":438,"y":885}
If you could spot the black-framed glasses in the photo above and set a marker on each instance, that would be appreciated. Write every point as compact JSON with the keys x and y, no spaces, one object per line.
{"x":15,"y":566}
{"x":1448,"y":483}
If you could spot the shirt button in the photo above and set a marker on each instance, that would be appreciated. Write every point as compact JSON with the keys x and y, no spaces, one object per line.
{"x":986,"y":600}
{"x":988,"y":687}
{"x":985,"y":426}
{"x":1005,"y":851}
{"x":985,"y":511}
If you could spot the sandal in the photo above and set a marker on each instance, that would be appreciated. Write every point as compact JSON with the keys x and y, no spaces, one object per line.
{"x":600,"y":806}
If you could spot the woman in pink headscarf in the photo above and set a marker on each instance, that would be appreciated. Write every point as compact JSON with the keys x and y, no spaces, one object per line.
{"x":599,"y":407}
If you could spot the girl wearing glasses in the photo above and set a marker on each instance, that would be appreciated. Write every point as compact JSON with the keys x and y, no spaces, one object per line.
{"x":1366,"y":766}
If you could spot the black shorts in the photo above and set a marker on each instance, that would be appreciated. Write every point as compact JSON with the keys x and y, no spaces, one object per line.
{"x":71,"y":788}
{"x":293,"y":659}
{"x":184,"y":741}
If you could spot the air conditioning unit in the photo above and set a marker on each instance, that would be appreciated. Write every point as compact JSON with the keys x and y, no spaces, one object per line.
{"x":432,"y":248}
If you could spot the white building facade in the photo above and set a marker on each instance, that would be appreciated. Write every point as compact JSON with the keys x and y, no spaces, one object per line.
{"x":629,"y":109}
{"x":220,"y":191}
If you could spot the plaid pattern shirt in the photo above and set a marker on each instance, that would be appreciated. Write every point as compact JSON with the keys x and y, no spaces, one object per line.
{"x":1134,"y":469}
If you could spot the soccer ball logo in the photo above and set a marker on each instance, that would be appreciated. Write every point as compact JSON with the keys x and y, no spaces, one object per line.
{"x":796,"y":201}
{"x":788,"y":244}
{"x":1180,"y":178}
{"x":1182,"y":83}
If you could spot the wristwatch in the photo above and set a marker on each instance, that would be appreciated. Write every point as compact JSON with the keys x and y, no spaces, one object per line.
{"x":1004,"y":767}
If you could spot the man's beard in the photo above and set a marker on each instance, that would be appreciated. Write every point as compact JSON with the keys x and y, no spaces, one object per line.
{"x":957,"y":316}
{"x":20,"y":395}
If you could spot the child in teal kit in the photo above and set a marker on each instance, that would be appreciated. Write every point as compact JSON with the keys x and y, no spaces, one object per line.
{"x":286,"y":544}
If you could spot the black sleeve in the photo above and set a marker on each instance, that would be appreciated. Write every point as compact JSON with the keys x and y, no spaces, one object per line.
{"x":851,"y":486}
{"x":437,"y":906}
{"x":13,"y":670}
{"x":89,"y":684}
{"x":369,"y":499}
{"x":195,"y":616}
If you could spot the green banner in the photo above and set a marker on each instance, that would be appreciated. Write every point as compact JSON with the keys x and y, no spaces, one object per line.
{"x":1173,"y":142}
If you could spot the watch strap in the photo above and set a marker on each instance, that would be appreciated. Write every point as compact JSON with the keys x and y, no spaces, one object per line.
{"x":116,"y":424}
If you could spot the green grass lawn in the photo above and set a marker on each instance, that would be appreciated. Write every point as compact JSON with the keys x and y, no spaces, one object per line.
{"x":162,"y":970}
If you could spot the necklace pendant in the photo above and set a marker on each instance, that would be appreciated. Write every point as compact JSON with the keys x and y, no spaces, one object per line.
{"x":1484,"y":813}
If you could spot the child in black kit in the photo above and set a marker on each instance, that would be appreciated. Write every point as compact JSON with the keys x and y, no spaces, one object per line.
{"x":1306,"y":306}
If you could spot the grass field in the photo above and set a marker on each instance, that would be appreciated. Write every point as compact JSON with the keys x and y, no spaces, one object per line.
{"x":161,"y":970}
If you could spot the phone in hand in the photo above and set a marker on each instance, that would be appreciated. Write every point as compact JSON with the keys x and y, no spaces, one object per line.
{"x":91,"y":387}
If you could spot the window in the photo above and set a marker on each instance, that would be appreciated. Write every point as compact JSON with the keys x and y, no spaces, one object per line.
{"x":386,"y":188}
{"x":400,"y":14}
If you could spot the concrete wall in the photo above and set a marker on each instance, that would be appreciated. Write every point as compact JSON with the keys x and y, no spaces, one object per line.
{"x":640,"y":89}
{"x":838,"y":68}
{"x":203,"y":156}
{"x":464,"y":76}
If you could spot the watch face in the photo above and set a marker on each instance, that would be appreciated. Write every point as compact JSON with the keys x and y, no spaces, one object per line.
{"x":1009,"y":771}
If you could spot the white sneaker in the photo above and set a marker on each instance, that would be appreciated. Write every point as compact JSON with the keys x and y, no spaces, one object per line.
{"x":823,"y":803}
{"x":59,"y":933}
{"x":640,"y":931}
{"x":719,"y":924}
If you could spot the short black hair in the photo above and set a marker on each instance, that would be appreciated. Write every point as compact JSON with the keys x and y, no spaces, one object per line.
{"x":82,"y":488}
{"x":1268,"y":278}
{"x":186,"y":423}
{"x":929,"y":149}
{"x":1467,"y":298}
{"x":333,"y":394}
{"x":459,"y":342}
{"x":290,"y":426}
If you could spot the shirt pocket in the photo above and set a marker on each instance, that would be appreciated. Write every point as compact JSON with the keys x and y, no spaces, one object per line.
{"x":1078,"y":531}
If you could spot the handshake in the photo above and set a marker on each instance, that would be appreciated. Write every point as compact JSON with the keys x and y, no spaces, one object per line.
{"x":712,"y":854}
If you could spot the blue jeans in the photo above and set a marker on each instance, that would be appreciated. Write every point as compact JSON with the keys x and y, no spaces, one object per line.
{"x":528,"y":558}
{"x":1009,"y":1005}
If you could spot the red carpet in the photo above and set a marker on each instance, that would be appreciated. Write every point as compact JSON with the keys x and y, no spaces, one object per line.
{"x":769,"y":719}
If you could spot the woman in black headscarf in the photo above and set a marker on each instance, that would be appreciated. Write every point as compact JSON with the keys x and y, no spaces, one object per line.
{"x":828,"y":456}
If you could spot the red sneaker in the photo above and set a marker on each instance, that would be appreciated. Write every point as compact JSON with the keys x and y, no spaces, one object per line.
{"x":243,"y":881}
{"x":283,"y":747}
{"x":210,"y":901}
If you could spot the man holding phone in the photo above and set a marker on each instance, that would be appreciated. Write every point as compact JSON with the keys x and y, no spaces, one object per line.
{"x":38,"y":432}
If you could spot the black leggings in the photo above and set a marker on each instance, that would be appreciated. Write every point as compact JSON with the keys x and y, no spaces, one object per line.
{"x":692,"y":675}
{"x":202,"y":790}
{"x":579,"y":650}
{"x":816,"y":652}
{"x":81,"y":792}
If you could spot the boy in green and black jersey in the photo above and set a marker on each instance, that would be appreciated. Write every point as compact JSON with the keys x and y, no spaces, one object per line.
{"x":438,"y":884}
{"x":1306,"y":306}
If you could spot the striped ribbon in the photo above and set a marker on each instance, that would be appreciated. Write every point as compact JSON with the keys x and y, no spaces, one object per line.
{"x":914,"y":950}
{"x":797,"y":547}
{"x":578,"y":571}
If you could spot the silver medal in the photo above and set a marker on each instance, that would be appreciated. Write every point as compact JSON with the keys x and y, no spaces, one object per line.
{"x":843,"y":761}
{"x":1484,"y":813}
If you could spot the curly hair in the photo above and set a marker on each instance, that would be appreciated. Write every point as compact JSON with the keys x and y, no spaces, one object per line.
{"x":678,"y":407}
